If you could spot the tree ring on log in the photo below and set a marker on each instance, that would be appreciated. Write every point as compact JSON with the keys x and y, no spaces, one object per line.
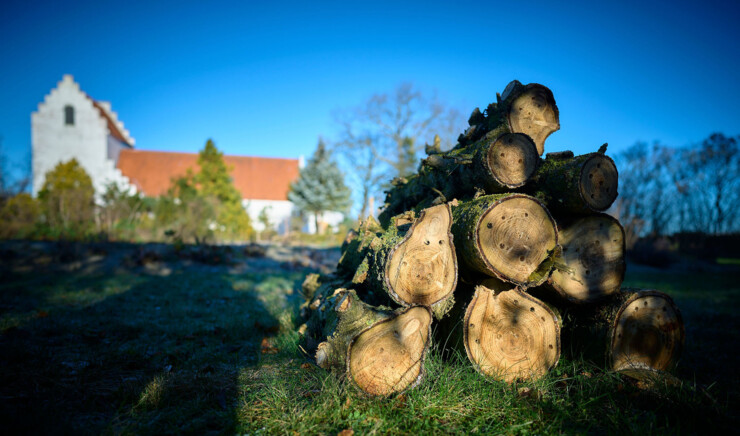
{"x":512,"y":159}
{"x":388,"y":357}
{"x":515,"y":236}
{"x":599,"y":182}
{"x":534,"y":113}
{"x":648,"y":333}
{"x":422,"y":269}
{"x":511,"y":335}
{"x":593,"y":253}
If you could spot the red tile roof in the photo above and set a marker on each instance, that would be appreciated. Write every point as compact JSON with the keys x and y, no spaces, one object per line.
{"x":257,"y":178}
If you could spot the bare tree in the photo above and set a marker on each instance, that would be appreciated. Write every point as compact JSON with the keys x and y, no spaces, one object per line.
{"x":11,"y":184}
{"x":716,"y":179}
{"x":383,"y":137}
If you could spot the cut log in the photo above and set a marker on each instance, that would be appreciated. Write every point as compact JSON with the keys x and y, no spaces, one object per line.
{"x":494,"y":164}
{"x":510,"y":335}
{"x":508,"y":236}
{"x":528,"y":109}
{"x":631,"y":331}
{"x":388,"y":357}
{"x":381,"y":351}
{"x":413,"y":264}
{"x":575,"y":184}
{"x":591,"y":265}
{"x":647,"y":333}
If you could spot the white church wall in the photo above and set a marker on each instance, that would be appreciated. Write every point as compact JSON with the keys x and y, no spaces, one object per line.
{"x":279,"y":213}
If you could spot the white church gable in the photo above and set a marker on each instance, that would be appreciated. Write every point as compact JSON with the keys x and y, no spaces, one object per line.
{"x":69,"y":124}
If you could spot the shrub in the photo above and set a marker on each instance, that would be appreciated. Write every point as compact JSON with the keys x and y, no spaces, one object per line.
{"x":19,"y":217}
{"x":67,"y":200}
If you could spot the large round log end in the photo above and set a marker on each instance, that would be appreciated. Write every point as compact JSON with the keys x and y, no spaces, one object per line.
{"x":648,"y":333}
{"x":388,"y":357}
{"x":599,"y":182}
{"x":515,"y":236}
{"x":534,"y":113}
{"x":510,"y":335}
{"x":593,"y":259}
{"x":512,"y":159}
{"x":422,"y":269}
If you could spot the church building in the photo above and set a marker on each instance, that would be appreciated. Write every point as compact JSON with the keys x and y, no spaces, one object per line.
{"x":70,"y":124}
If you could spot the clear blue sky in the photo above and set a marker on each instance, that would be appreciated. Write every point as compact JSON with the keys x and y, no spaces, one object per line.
{"x":264,"y":79}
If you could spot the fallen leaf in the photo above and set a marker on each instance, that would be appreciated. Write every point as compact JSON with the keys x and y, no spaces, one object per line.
{"x":42,"y":314}
{"x":346,"y":432}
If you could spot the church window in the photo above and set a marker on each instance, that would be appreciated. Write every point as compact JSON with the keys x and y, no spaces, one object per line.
{"x":69,"y":115}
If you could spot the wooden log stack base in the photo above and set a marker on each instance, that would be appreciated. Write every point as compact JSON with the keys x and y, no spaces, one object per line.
{"x":508,"y":236}
{"x":539,"y":274}
{"x":591,"y":265}
{"x":510,"y":335}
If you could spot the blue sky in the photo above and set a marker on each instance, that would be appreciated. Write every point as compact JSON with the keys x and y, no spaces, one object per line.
{"x":263,"y":79}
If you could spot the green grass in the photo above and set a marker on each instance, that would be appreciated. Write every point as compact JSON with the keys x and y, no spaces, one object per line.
{"x":136,"y":354}
{"x":728,"y":261}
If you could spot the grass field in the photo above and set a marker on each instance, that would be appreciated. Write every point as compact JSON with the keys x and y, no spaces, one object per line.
{"x":213,"y":350}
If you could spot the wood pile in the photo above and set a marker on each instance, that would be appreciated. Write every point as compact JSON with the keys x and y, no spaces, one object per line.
{"x":509,"y":254}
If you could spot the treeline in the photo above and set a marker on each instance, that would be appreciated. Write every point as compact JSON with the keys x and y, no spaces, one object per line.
{"x":667,"y":190}
{"x":200,"y":207}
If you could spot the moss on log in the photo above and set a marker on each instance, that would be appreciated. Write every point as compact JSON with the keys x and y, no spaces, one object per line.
{"x":508,"y":236}
{"x":575,"y":184}
{"x":493,"y":164}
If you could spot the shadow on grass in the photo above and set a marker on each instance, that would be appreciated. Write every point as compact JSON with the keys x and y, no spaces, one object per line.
{"x":158,"y":355}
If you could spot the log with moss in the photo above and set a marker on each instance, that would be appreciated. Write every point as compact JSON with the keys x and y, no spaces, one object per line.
{"x":493,"y":164}
{"x":571,"y":184}
{"x":508,"y":236}
{"x":592,"y":264}
{"x":413,"y":262}
{"x":380,"y":351}
{"x":510,"y":335}
{"x":635,"y":331}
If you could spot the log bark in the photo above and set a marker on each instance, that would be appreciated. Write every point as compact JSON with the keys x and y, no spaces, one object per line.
{"x":413,"y":264}
{"x":510,"y":335}
{"x":630,"y":331}
{"x":575,"y":184}
{"x":380,"y":351}
{"x":493,"y":164}
{"x":508,"y":236}
{"x":591,"y":265}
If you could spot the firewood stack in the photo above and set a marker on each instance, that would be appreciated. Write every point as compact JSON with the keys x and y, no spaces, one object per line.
{"x":509,"y":254}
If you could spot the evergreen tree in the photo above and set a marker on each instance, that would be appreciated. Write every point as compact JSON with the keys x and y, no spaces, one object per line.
{"x":214,"y":180}
{"x":320,"y":186}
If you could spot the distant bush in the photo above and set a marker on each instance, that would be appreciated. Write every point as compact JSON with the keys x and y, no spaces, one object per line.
{"x":19,"y":217}
{"x":120,"y":213}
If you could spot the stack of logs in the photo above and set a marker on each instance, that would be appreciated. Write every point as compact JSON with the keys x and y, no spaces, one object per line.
{"x":509,"y":252}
